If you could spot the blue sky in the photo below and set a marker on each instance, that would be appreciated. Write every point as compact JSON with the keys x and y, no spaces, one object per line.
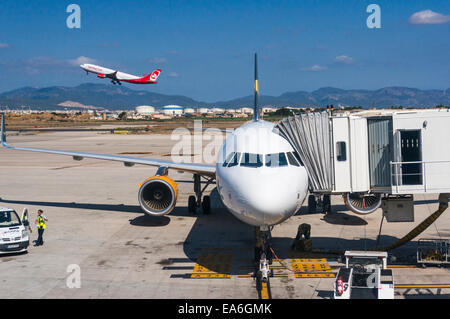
{"x":205,"y":48}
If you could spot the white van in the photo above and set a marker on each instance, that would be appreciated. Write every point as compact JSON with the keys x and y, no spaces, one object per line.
{"x":14,"y":237}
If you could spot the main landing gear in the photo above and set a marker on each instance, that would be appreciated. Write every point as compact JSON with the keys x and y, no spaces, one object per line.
{"x":196,"y":201}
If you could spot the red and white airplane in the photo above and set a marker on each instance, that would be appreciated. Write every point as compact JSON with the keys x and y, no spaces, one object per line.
{"x":117,"y":76}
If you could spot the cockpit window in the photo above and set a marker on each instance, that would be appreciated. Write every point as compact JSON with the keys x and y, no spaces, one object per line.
{"x":228,"y":160}
{"x":251,"y":160}
{"x":276,"y":159}
{"x":292,"y":160}
{"x":297,"y":157}
{"x":235,"y":160}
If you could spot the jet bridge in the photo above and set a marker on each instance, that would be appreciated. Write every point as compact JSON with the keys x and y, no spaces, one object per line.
{"x":372,"y":154}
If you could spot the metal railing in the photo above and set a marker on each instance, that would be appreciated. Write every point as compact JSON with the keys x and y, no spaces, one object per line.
{"x":416,"y":173}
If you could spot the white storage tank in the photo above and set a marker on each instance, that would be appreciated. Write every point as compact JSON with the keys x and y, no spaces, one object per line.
{"x":218,"y":110}
{"x":145,"y":110}
{"x":247,"y":110}
{"x":172,"y":110}
{"x":189,"y":111}
{"x":203,"y":110}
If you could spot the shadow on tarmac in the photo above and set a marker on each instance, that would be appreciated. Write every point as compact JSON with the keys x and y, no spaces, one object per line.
{"x":178,"y":211}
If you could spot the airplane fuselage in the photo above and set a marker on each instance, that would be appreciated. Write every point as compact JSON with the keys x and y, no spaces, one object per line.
{"x":263,"y":184}
{"x":117,"y":76}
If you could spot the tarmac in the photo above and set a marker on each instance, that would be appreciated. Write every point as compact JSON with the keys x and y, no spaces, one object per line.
{"x":95,"y":223}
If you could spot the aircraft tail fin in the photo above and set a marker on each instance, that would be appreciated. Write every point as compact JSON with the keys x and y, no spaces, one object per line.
{"x":154,"y":75}
{"x":256,"y":110}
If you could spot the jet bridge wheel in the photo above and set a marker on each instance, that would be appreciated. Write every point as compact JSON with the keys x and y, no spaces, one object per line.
{"x":361,"y":203}
{"x":326,"y":204}
{"x":312,"y":204}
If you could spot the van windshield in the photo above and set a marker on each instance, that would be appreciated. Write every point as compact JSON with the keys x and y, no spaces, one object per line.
{"x":9,"y":219}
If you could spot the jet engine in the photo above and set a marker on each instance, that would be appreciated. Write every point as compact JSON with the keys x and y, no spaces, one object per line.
{"x":101,"y":76}
{"x":158,"y":195}
{"x":361,"y":203}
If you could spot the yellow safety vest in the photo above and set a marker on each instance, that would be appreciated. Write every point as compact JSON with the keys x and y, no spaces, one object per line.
{"x":41,"y":223}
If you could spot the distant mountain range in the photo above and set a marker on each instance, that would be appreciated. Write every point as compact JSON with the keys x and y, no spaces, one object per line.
{"x":120,"y":97}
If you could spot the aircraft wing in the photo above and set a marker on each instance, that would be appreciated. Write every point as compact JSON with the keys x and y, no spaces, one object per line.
{"x":201,"y":169}
{"x":112,"y":75}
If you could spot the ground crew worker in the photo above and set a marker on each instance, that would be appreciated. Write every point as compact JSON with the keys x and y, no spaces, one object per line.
{"x":40,"y":222}
{"x":25,"y":220}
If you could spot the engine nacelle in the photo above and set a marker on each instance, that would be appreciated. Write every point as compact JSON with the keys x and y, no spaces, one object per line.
{"x":362,"y":204}
{"x":158,"y":195}
{"x":101,"y":76}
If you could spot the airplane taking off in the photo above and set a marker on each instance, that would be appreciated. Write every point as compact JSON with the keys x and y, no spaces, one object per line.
{"x":259,"y":176}
{"x":117,"y":77}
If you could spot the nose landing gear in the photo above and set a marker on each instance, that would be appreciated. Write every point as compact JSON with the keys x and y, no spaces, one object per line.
{"x":263,"y":260}
{"x":263,"y":254}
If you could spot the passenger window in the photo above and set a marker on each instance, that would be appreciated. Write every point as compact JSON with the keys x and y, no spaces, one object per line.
{"x":251,"y":160}
{"x":341,"y":151}
{"x":292,"y":160}
{"x":276,"y":159}
{"x":229,"y":157}
{"x":235,"y":160}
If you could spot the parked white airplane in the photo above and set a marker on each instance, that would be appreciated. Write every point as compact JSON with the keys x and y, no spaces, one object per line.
{"x":259,"y":176}
{"x":117,"y":76}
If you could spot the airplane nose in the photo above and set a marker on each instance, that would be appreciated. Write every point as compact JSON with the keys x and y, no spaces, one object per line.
{"x":268,"y":205}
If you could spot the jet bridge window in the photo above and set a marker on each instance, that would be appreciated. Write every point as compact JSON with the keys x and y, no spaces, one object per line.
{"x":341,"y":151}
{"x":251,"y":160}
{"x":276,"y":159}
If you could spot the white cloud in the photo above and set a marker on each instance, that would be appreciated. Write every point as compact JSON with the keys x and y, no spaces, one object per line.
{"x":159,"y":60}
{"x":4,"y":45}
{"x":344,"y":59}
{"x":81,"y":60}
{"x":315,"y":68}
{"x":428,"y":17}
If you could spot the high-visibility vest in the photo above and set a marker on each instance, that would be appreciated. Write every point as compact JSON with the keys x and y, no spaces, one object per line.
{"x":40,"y":223}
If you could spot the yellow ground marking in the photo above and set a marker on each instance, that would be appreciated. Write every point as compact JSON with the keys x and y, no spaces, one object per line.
{"x":210,"y":276}
{"x":311,"y":267}
{"x":213,"y":265}
{"x":264,"y":291}
{"x":307,"y":260}
{"x":423,"y":286}
{"x":219,"y":268}
{"x":323,"y":275}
